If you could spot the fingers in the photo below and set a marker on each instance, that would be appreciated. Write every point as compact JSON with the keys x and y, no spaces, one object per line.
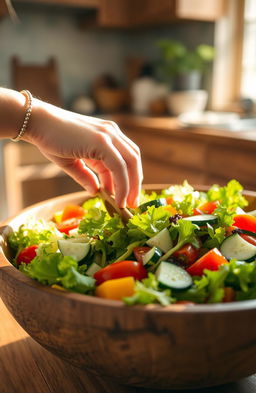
{"x":104,"y":174}
{"x":115,"y":163}
{"x":131,"y":155}
{"x":77,"y":169}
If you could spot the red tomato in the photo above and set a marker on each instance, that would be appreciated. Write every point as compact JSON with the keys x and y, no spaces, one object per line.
{"x":66,"y":226}
{"x":211,"y":261}
{"x":139,"y":252}
{"x":72,"y":211}
{"x":197,"y":212}
{"x":208,"y":207}
{"x":245,"y":221}
{"x":169,"y":200}
{"x":187,"y":254}
{"x":27,"y":254}
{"x":121,"y":269}
{"x":249,"y":239}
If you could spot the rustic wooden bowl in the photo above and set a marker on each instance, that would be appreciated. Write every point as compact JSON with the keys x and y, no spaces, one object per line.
{"x":175,"y":347}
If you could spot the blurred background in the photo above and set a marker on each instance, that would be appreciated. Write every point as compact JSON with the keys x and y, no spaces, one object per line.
{"x":178,"y":76}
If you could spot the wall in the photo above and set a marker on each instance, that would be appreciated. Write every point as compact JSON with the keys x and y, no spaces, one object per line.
{"x":82,"y":55}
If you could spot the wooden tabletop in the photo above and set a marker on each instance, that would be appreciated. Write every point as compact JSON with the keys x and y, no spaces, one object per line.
{"x":26,"y":367}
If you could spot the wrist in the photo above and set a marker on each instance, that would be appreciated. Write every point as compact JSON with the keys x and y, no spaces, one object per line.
{"x":12,"y":111}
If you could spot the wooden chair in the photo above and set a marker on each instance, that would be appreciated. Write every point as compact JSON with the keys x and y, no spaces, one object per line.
{"x":29,"y":176}
{"x":41,"y":80}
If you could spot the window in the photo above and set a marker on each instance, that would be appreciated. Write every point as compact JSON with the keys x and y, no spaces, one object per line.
{"x":248,"y":80}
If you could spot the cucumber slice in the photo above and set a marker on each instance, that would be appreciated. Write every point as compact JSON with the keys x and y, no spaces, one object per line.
{"x":173,"y":276}
{"x":155,"y":202}
{"x":152,"y":255}
{"x":73,"y":248}
{"x":235,"y":246}
{"x":93,"y":269}
{"x":162,"y":240}
{"x":203,"y":219}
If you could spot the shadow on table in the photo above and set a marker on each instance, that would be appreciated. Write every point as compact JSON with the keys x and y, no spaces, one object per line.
{"x":26,"y":367}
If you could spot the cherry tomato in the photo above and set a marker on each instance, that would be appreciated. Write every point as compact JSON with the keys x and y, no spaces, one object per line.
{"x":211,"y":261}
{"x":139,"y":252}
{"x":249,"y":239}
{"x":245,"y":221}
{"x":121,"y":269}
{"x":208,"y":207}
{"x":27,"y":254}
{"x":187,"y":255}
{"x":66,"y":226}
{"x":72,"y":211}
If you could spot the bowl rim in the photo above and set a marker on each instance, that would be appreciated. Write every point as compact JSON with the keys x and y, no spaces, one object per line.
{"x":10,"y":270}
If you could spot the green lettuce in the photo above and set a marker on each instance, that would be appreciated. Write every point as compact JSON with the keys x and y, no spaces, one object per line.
{"x":151,"y":222}
{"x":58,"y":269}
{"x":148,"y":292}
{"x":31,"y":233}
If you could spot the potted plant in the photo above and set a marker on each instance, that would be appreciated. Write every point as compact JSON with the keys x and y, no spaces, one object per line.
{"x":182,"y":69}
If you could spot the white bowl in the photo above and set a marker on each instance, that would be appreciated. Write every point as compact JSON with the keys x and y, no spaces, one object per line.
{"x":187,"y":101}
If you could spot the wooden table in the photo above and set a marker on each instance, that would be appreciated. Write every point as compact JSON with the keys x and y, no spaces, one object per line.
{"x":26,"y":367}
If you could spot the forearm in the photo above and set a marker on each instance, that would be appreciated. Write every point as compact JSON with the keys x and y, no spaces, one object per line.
{"x":12,"y":112}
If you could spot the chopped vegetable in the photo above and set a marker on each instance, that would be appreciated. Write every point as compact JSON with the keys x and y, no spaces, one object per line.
{"x":116,"y":289}
{"x":121,"y":269}
{"x":211,"y":261}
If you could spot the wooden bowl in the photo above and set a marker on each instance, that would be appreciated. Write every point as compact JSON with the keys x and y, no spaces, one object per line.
{"x":176,"y":347}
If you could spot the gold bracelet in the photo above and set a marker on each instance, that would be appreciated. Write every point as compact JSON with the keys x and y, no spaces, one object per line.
{"x":29,"y":100}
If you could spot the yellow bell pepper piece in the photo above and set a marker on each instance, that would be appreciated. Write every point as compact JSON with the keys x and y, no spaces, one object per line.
{"x":57,"y":217}
{"x":116,"y":289}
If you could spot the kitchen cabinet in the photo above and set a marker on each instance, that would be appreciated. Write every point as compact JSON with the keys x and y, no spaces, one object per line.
{"x":72,"y":3}
{"x":171,"y":153}
{"x":133,"y":13}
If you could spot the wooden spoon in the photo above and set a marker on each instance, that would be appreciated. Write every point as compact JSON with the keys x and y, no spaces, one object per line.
{"x":112,"y":208}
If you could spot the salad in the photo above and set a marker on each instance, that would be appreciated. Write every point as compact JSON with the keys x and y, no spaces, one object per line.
{"x":180,"y":246}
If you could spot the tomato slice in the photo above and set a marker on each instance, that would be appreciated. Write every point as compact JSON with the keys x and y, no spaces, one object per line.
{"x":245,"y":221}
{"x":139,"y":252}
{"x":66,"y":226}
{"x":72,"y":211}
{"x":208,"y":207}
{"x":212,"y":260}
{"x":121,"y":269}
{"x":249,"y":239}
{"x":197,"y":212}
{"x":27,"y":254}
{"x":187,"y":255}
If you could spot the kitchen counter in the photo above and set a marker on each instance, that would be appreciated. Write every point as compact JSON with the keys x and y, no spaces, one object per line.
{"x":26,"y":367}
{"x":172,"y":125}
{"x":172,"y":153}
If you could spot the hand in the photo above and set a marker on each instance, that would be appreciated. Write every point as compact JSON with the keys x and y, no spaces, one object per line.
{"x":84,"y":147}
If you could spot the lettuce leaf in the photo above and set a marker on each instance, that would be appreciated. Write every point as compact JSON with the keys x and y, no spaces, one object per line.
{"x":58,"y":269}
{"x":31,"y":233}
{"x":98,"y":223}
{"x":229,"y":196}
{"x":151,"y":222}
{"x":147,"y":292}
